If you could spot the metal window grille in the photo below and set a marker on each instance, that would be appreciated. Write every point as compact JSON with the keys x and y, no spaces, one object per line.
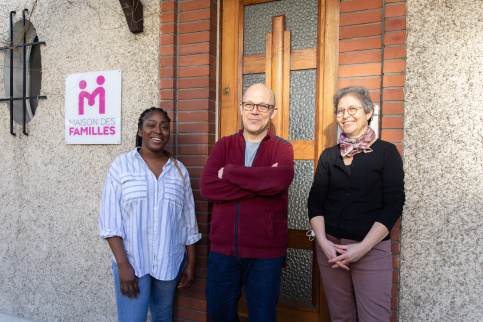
{"x":11,"y":48}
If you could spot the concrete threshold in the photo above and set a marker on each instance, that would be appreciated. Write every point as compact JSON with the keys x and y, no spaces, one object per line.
{"x":4,"y":317}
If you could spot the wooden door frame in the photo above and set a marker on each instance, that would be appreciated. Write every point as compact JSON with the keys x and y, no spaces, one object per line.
{"x":326,"y":63}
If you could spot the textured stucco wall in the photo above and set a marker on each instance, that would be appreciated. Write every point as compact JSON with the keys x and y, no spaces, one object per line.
{"x":53,"y":265}
{"x":442,"y":227}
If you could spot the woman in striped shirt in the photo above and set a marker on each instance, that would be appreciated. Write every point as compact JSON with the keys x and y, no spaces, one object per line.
{"x":147,"y":216}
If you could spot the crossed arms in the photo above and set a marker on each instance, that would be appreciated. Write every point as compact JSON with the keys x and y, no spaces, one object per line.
{"x":238,"y":182}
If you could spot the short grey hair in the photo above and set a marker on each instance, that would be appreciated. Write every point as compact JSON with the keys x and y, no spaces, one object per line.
{"x":359,"y":92}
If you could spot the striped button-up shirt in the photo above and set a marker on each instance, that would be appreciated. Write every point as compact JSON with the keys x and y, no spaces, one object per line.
{"x":154,"y":217}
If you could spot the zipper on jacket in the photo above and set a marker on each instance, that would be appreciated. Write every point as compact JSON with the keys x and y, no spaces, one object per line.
{"x":236,"y":228}
{"x":256,"y":153}
{"x":238,"y":203}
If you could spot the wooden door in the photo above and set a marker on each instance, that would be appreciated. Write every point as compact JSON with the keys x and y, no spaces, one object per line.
{"x":300,"y":65}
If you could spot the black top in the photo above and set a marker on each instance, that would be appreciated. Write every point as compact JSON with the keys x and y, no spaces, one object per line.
{"x":350,"y":204}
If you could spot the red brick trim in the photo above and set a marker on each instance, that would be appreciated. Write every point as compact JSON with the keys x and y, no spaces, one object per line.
{"x":188,"y":91}
{"x":372,"y":49}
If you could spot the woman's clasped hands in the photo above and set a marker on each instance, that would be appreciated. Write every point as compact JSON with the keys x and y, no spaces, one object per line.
{"x":348,"y":254}
{"x":342,"y":255}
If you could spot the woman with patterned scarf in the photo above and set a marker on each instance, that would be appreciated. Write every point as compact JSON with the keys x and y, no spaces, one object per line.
{"x":356,"y":198}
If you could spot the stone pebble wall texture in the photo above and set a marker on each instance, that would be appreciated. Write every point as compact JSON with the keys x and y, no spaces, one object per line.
{"x":442,"y":226}
{"x":54,"y":266}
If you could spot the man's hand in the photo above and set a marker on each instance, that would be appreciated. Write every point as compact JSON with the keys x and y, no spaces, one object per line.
{"x":275,"y":165}
{"x":220,"y":173}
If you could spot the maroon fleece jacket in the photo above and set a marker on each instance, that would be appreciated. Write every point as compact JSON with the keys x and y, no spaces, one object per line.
{"x":249,"y":217}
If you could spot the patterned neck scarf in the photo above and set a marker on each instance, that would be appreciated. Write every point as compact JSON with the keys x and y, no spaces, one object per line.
{"x":349,"y":147}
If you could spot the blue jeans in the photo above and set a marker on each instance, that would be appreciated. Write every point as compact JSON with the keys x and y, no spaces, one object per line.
{"x":260,"y":277}
{"x":154,"y":294}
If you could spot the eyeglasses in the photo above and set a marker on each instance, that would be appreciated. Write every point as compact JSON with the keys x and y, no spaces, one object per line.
{"x":248,"y":106}
{"x":352,"y":110}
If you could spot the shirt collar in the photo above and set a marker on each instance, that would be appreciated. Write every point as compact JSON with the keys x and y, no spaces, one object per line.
{"x":137,"y":155}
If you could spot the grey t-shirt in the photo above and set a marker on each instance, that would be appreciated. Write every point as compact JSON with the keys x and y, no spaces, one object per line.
{"x":250,"y":151}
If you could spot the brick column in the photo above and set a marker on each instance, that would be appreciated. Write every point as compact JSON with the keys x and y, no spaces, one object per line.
{"x":392,"y":110}
{"x":394,"y":66}
{"x":167,"y":65}
{"x":364,"y":47}
{"x":190,"y":92}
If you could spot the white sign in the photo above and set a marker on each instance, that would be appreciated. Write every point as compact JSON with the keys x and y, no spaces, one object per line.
{"x":93,"y":108}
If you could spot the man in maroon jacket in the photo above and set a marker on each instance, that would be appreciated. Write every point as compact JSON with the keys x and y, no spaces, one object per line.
{"x":247,"y":176}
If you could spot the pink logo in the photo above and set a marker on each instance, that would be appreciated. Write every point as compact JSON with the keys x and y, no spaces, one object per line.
{"x":91,"y":98}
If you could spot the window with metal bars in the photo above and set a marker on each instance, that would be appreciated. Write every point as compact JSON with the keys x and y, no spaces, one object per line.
{"x":22,"y":72}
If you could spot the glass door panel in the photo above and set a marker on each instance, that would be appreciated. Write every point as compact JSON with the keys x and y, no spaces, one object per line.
{"x":301,"y":22}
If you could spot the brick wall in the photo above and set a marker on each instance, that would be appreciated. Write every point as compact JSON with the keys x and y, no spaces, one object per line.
{"x":372,"y":53}
{"x":188,"y":92}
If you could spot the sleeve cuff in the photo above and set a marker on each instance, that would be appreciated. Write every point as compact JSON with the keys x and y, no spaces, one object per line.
{"x":388,"y":223}
{"x":193,"y":239}
{"x":111,"y":233}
